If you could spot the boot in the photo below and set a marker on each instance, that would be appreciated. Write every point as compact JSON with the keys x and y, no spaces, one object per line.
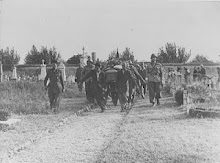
{"x":158,"y":102}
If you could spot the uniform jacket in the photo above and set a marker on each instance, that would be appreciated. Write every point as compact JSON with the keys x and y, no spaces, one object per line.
{"x":122,"y":79}
{"x":56,"y":81}
{"x":86,"y":70}
{"x":97,"y":82}
{"x":135,"y":74}
{"x":154,"y":72}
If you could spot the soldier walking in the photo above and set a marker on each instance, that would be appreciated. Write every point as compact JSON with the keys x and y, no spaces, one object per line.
{"x":98,"y":85}
{"x":154,"y":72}
{"x":123,"y":77}
{"x":143,"y":73}
{"x":55,"y":87}
{"x":133,"y":85}
{"x":88,"y":82}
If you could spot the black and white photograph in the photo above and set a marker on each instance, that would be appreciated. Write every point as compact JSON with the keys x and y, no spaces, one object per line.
{"x":110,"y":81}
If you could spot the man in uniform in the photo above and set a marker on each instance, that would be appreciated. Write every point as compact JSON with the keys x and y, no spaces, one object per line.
{"x":143,"y":86}
{"x":98,"y":86}
{"x":88,"y":86}
{"x":123,"y":77}
{"x":55,"y":87}
{"x":78,"y":76}
{"x":133,"y":85}
{"x":154,"y":72}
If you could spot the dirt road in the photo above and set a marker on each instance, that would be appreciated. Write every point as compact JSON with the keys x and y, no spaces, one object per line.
{"x":146,"y":134}
{"x":81,"y":140}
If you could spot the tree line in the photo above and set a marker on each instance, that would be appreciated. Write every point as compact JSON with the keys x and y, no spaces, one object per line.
{"x":170,"y":53}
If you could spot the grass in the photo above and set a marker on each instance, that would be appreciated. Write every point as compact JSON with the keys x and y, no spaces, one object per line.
{"x":37,"y":123}
{"x":29,"y":97}
{"x":163,"y":134}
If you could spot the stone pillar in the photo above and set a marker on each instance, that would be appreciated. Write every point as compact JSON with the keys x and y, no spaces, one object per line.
{"x":1,"y":72}
{"x":94,"y":57}
{"x":63,"y":70}
{"x":43,"y":71}
{"x":14,"y":73}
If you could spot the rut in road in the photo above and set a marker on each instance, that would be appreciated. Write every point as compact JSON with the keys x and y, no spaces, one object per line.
{"x":81,"y":140}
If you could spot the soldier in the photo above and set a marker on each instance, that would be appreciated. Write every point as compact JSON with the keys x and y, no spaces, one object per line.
{"x":55,"y":87}
{"x":98,"y":85}
{"x":78,"y":76}
{"x":143,"y":73}
{"x":88,"y":86}
{"x":123,"y":76}
{"x":154,"y":72}
{"x":133,"y":86}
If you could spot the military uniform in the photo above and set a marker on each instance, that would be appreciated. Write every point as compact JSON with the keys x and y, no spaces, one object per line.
{"x":88,"y":83}
{"x":123,"y":76}
{"x":55,"y":87}
{"x":143,"y":86}
{"x":133,"y":85}
{"x":154,"y":73}
{"x":98,"y":87}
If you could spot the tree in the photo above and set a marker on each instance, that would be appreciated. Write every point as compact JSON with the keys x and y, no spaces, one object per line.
{"x":127,"y":55}
{"x":112,"y":55}
{"x":201,"y":59}
{"x":173,"y":54}
{"x":48,"y":55}
{"x":75,"y":59}
{"x":9,"y":58}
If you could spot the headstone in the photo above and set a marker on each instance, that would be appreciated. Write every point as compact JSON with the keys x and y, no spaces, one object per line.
{"x":184,"y":97}
{"x":43,"y":71}
{"x":63,"y":70}
{"x":14,"y":73}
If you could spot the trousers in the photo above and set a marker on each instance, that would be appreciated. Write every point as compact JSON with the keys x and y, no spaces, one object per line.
{"x":154,"y":91}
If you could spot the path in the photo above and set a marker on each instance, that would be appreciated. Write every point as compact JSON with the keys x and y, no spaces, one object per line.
{"x":160,"y":134}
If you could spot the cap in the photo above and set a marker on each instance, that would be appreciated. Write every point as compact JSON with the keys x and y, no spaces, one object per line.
{"x":153,"y":56}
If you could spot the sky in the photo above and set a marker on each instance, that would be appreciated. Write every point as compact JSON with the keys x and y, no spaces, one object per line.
{"x":102,"y":26}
